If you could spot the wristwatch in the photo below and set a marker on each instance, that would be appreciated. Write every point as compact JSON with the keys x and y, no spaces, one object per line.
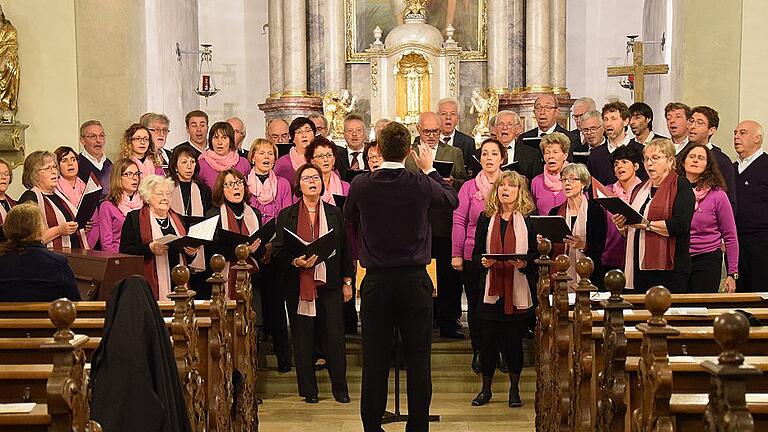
{"x":735,"y":276}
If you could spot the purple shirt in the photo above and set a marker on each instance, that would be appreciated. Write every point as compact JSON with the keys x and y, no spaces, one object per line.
{"x":615,"y":243}
{"x":545,"y":199}
{"x":465,"y":221}
{"x":111,"y":225}
{"x":208,"y":174}
{"x":284,"y":168}
{"x":712,"y":221}
{"x":283,"y":199}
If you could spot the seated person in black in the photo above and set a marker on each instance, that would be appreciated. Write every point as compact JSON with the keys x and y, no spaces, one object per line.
{"x":31,"y":273}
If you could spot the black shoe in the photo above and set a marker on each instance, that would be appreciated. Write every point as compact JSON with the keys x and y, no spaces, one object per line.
{"x":342,"y":398}
{"x":283,"y":367}
{"x":482,"y":398}
{"x":476,"y":362}
{"x":451,"y":334}
{"x":514,"y":399}
{"x":311,"y":399}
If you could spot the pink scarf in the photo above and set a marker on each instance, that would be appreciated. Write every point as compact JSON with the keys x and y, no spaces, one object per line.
{"x":503,"y":280}
{"x":54,"y":217}
{"x":483,"y":186}
{"x":147,"y":167}
{"x":221,"y":163}
{"x":73,"y":194}
{"x":129,"y":203}
{"x":265,"y":192}
{"x":196,"y":204}
{"x":552,"y":181}
{"x":700,"y":193}
{"x":333,"y":187}
{"x":625,"y":195}
{"x":297,"y":159}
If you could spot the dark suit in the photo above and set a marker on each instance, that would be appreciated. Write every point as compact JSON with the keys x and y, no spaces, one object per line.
{"x":529,"y":162}
{"x":328,"y":303}
{"x":466,"y":144}
{"x":342,"y":162}
{"x":600,"y":166}
{"x":525,"y":138}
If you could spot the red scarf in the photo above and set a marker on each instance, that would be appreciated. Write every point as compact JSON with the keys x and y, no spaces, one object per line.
{"x":54,"y":217}
{"x":660,"y":250}
{"x":249,"y":226}
{"x":307,"y":283}
{"x":503,"y":275}
{"x":151,"y":264}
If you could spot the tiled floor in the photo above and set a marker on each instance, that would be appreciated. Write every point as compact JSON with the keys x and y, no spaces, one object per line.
{"x":288,"y":412}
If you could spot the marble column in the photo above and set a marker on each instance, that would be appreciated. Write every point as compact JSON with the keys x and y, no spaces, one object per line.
{"x":294,"y":47}
{"x":516,"y":38}
{"x":498,"y":46}
{"x":335,"y":60}
{"x":538,"y":71}
{"x":275,"y":13}
{"x":558,"y":45}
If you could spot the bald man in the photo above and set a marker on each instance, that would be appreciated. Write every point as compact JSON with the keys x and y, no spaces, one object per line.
{"x":751,"y":216}
{"x":545,"y":109}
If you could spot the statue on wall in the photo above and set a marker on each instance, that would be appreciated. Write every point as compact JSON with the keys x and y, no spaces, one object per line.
{"x":485,"y":102}
{"x":9,"y":69}
{"x":336,"y":106}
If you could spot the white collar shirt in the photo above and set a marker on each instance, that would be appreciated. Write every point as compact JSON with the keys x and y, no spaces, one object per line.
{"x":99,"y":164}
{"x":743,"y":164}
{"x":623,"y":142}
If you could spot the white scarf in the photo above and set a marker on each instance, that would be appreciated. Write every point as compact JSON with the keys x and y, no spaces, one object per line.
{"x":522,"y":293}
{"x":60,"y":218}
{"x":579,"y":229}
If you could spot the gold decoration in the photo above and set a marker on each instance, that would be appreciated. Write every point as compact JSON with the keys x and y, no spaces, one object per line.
{"x":336,"y":105}
{"x":9,"y":69}
{"x":452,"y":76}
{"x":415,"y":7}
{"x":375,"y":77}
{"x":412,"y":75}
{"x":486,"y":104}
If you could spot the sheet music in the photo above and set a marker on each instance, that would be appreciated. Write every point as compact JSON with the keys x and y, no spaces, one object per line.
{"x":205,"y":229}
{"x":166,"y":239}
{"x":91,"y":186}
{"x":17,"y":408}
{"x":689,"y":311}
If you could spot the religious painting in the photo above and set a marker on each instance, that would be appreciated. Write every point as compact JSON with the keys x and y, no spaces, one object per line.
{"x":468,"y":17}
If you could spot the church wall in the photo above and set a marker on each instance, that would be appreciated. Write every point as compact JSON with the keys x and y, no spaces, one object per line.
{"x":712,"y":60}
{"x":754,"y":63}
{"x":48,"y":94}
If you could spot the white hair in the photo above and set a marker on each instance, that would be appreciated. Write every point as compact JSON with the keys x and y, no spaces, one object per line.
{"x":150,"y":183}
{"x":514,"y":115}
{"x":589,"y":102}
{"x":592,"y":114}
{"x":447,"y":100}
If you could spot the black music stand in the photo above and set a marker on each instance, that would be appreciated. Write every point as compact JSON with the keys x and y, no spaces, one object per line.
{"x":396,"y":417}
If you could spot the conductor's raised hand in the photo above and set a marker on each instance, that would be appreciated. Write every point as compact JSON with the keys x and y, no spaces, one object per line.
{"x":423,"y":157}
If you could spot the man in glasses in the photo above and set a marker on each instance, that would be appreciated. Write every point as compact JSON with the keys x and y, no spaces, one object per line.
{"x":545,"y":110}
{"x":702,"y":126}
{"x":92,"y":159}
{"x":580,"y":107}
{"x":158,"y":125}
{"x":615,"y":121}
{"x":350,"y":158}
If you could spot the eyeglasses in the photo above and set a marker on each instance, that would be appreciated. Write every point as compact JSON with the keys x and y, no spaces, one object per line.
{"x":190,"y":162}
{"x":592,"y":129}
{"x":161,"y":194}
{"x":697,"y":122}
{"x":140,"y":139}
{"x":323,"y":156}
{"x":276,"y":137}
{"x":163,"y":131}
{"x":506,"y":125}
{"x":94,"y":136}
{"x":136,"y":174}
{"x":310,"y":178}
{"x":5,"y":175}
{"x":373,"y":157}
{"x":543,"y":107}
{"x":233,"y":184}
{"x":653,"y":159}
{"x":430,"y":131}
{"x":569,"y":179}
{"x":49,"y":168}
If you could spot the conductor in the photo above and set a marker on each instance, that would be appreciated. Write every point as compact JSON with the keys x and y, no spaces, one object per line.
{"x":391,"y":206}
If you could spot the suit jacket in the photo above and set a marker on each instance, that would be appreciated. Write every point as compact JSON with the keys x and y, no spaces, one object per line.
{"x":597,"y":230}
{"x":534,"y":133}
{"x":342,"y":162}
{"x":338,"y":266}
{"x":529,"y":161}
{"x":441,"y":220}
{"x":466,"y":144}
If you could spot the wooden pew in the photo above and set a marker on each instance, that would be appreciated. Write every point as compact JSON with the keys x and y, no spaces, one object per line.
{"x":721,"y":300}
{"x":545,"y":407}
{"x":245,"y":344}
{"x":65,"y":404}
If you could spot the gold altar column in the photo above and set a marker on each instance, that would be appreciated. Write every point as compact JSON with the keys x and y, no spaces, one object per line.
{"x":538,"y":69}
{"x":294,"y":47}
{"x":275,"y":13}
{"x":558,"y":46}
{"x":336,"y":65}
{"x":498,"y":46}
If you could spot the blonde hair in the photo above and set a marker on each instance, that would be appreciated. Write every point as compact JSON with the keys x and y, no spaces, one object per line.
{"x":523,"y":203}
{"x":32,"y":165}
{"x":259,"y":142}
{"x":555,"y":138}
{"x":580,"y":171}
{"x":19,"y":229}
{"x":665,"y":147}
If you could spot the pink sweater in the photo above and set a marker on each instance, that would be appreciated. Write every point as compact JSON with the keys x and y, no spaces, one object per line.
{"x":208,"y":174}
{"x":545,"y":199}
{"x":284,"y":168}
{"x":712,"y":221}
{"x":465,"y":221}
{"x":111,"y":225}
{"x":283,"y":199}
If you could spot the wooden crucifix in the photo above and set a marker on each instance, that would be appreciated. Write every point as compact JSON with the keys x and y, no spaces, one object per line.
{"x":638,"y":70}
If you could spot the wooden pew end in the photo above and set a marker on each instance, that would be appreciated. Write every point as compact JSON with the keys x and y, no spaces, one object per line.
{"x":62,"y":313}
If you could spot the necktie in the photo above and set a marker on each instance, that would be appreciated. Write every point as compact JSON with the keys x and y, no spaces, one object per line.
{"x":447,"y":140}
{"x":541,"y":135}
{"x":355,"y":165}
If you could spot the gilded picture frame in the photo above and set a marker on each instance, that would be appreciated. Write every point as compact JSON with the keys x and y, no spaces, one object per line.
{"x":470,"y":20}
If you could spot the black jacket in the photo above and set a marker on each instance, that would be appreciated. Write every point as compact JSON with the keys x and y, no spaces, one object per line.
{"x":342,"y":162}
{"x":133,"y":372}
{"x":466,"y":144}
{"x":36,"y":275}
{"x":597,"y":230}
{"x":338,"y":266}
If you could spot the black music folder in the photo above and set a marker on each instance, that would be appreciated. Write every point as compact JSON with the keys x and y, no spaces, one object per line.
{"x":88,"y":203}
{"x":233,"y":239}
{"x":616,"y":205}
{"x":553,"y":228}
{"x":324,"y":247}
{"x":443,"y":167}
{"x":506,"y":257}
{"x":198,"y":235}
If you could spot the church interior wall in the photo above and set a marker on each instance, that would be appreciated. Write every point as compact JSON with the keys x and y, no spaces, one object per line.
{"x":753,"y":86}
{"x":48,"y":95}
